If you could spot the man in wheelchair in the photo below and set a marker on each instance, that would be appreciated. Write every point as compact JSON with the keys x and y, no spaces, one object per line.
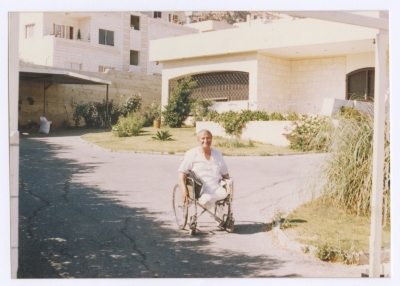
{"x":209,"y":165}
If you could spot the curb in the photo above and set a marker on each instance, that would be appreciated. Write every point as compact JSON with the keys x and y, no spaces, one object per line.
{"x":179,"y":153}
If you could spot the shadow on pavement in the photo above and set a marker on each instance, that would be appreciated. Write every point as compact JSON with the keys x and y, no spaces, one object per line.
{"x":71,"y":229}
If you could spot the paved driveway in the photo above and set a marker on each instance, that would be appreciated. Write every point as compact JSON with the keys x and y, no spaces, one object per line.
{"x":86,"y":212}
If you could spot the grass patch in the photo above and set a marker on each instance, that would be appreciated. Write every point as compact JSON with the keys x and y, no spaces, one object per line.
{"x":183,"y":140}
{"x":322,"y":224}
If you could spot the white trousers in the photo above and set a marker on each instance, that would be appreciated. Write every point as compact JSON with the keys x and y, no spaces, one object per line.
{"x":208,"y":200}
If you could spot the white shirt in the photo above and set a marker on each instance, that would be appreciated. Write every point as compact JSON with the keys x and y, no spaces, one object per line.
{"x":209,"y":172}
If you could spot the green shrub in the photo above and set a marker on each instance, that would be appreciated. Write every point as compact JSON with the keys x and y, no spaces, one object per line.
{"x":275,"y":116}
{"x":212,"y":115}
{"x":327,"y":252}
{"x":130,"y":125}
{"x":232,"y":122}
{"x":292,"y":116}
{"x":199,"y":109}
{"x":155,"y":109}
{"x":178,"y":107}
{"x":132,"y":104}
{"x":309,"y":133}
{"x":163,"y":136}
{"x":147,"y":116}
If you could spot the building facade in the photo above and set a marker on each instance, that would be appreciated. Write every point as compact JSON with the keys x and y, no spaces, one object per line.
{"x":97,"y":41}
{"x":287,"y":64}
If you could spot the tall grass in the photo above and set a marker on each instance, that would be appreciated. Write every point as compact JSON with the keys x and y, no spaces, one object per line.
{"x":348,"y":169}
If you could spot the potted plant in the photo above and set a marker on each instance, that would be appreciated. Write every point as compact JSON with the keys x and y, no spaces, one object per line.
{"x":156,"y":113}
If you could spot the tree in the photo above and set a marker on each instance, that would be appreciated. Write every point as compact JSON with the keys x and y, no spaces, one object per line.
{"x":178,"y":107}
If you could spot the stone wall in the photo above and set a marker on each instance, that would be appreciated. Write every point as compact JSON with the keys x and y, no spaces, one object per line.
{"x":299,"y":85}
{"x":273,"y":82}
{"x":312,"y":80}
{"x":60,"y":98}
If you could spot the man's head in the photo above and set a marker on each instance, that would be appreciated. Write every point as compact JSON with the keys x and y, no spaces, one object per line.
{"x":204,"y":137}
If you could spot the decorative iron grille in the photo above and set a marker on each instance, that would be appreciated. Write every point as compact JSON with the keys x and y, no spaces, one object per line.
{"x":361,"y":82}
{"x":219,"y":86}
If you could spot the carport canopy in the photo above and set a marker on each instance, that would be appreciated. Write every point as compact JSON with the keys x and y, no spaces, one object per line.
{"x":50,"y":77}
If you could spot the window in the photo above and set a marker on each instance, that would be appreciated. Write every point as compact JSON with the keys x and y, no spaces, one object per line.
{"x":104,"y":68}
{"x":106,"y":37}
{"x":134,"y":58}
{"x":61,"y":31}
{"x":360,"y":84}
{"x":135,"y":21}
{"x":30,"y":31}
{"x":157,"y":14}
{"x":172,"y":18}
{"x":73,"y":66}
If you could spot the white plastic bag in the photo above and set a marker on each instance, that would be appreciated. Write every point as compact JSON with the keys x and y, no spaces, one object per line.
{"x":44,"y":125}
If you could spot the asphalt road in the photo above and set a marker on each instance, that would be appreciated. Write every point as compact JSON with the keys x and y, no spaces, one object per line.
{"x":90,"y":213}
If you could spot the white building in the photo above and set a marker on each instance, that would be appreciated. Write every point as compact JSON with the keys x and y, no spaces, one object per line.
{"x":288,"y":64}
{"x":96,"y":41}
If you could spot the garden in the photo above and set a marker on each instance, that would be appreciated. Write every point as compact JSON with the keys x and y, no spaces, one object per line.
{"x":335,"y":225}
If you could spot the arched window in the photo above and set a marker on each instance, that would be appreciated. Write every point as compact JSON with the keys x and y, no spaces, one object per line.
{"x":219,"y":86}
{"x":360,"y":84}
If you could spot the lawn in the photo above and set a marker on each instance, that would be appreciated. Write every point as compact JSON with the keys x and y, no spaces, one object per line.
{"x":321,"y":221}
{"x":183,"y":139}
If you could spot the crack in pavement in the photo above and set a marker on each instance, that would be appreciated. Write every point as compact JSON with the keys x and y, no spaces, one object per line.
{"x":65,"y":191}
{"x":35,"y":212}
{"x":132,"y":240}
{"x":262,"y":189}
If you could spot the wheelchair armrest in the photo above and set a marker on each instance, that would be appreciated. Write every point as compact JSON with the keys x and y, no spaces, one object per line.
{"x":228,"y":185}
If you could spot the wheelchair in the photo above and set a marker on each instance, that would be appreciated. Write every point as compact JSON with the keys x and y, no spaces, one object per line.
{"x":222,"y":212}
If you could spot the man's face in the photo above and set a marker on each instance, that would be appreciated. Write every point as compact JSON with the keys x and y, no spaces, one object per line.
{"x":205,"y":139}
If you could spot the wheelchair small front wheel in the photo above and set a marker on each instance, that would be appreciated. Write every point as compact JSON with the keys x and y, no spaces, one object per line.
{"x":231,"y":226}
{"x":180,"y":209}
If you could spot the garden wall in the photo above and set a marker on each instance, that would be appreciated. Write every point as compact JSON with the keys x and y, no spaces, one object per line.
{"x":268,"y":132}
{"x":61,"y":98}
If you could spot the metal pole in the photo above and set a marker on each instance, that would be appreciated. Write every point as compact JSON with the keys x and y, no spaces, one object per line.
{"x":44,"y":97}
{"x":382,"y":40}
{"x":107,"y":104}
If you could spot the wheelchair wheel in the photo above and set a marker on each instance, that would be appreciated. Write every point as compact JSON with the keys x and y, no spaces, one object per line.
{"x":222,"y":211}
{"x":180,"y":209}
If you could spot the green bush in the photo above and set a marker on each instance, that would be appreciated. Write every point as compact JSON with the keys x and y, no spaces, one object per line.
{"x":275,"y":116}
{"x":199,"y":109}
{"x":212,"y":115}
{"x":130,"y":125}
{"x":292,"y":116}
{"x":178,"y":107}
{"x":233,"y":122}
{"x":132,"y":104}
{"x":310,"y":133}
